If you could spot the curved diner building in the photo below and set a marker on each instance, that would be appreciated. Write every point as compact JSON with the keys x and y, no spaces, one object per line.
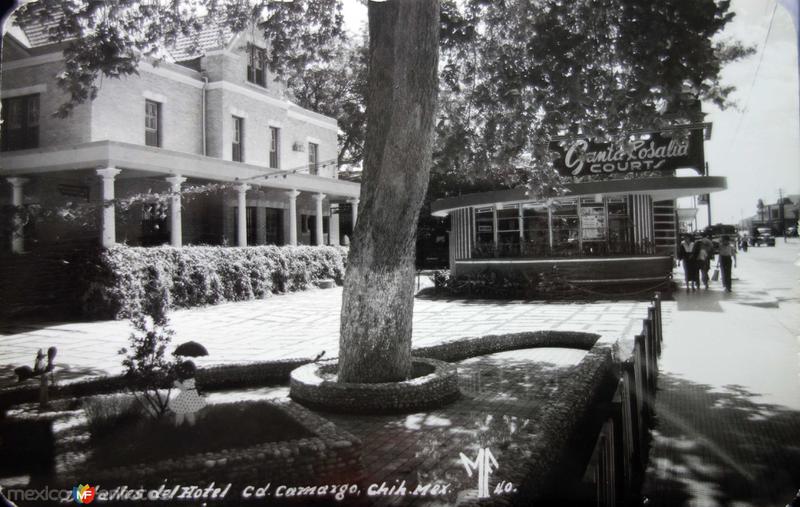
{"x":616,"y":224}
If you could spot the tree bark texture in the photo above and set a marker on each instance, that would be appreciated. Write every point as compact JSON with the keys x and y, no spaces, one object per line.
{"x":378,"y":297}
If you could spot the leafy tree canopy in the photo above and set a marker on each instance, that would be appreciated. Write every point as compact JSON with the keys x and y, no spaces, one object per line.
{"x":512,"y":72}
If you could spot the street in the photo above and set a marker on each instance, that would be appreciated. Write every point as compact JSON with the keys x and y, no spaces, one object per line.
{"x":728,"y":419}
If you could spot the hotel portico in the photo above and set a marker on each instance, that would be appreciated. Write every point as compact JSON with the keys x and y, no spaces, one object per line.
{"x":211,"y":115}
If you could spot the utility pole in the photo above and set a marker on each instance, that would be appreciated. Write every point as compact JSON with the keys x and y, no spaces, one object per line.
{"x":708,"y":200}
{"x":781,"y":216}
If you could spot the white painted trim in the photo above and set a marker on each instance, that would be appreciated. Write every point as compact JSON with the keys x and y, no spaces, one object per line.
{"x":156,"y":97}
{"x":237,"y":112}
{"x":224,"y":52}
{"x":314,"y":140}
{"x":276,"y":124}
{"x":170,"y":74}
{"x":25,"y":90}
{"x":33,"y":60}
{"x":254,"y":94}
{"x":298,"y":113}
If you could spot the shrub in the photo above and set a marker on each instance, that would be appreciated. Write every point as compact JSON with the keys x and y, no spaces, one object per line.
{"x":147,"y":368}
{"x":204,"y":275}
{"x":104,"y":414}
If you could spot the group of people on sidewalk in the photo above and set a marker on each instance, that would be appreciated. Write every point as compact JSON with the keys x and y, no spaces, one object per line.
{"x":696,"y":257}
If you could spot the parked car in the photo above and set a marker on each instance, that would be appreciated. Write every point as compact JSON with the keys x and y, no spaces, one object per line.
{"x":763,"y":236}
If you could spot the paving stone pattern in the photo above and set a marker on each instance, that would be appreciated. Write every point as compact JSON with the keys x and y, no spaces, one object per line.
{"x":301,"y":325}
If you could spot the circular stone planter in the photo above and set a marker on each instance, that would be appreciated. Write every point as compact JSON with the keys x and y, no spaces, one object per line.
{"x":435,"y":384}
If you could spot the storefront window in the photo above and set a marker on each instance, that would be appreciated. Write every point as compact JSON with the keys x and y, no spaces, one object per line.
{"x":593,"y":226}
{"x":565,"y":228}
{"x":536,"y":233}
{"x":484,"y":232}
{"x":619,"y":226}
{"x":508,"y":231}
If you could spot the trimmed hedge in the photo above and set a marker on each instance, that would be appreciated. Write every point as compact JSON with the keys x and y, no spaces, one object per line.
{"x":204,"y":275}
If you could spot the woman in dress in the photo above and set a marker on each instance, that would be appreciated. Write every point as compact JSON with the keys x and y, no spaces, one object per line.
{"x":687,"y":253}
{"x":188,"y":401}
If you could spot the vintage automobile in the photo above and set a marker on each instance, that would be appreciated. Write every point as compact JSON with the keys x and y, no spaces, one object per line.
{"x":762,"y":236}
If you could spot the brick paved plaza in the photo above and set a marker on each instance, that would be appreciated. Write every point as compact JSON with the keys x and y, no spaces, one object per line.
{"x":300,"y":325}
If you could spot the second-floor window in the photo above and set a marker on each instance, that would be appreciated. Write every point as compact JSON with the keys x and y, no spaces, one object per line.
{"x":238,"y":138}
{"x":274,"y":140}
{"x":152,"y":123}
{"x":256,"y":65}
{"x":313,"y":158}
{"x":20,"y":129}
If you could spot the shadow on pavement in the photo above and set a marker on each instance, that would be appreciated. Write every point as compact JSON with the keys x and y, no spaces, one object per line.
{"x":752,"y":459}
{"x":63,"y":372}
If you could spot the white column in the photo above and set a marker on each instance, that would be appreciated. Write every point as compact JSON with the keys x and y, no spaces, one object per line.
{"x":175,"y":218}
{"x":354,"y":203}
{"x":292,"y":195}
{"x":109,"y":234}
{"x":318,"y":218}
{"x":241,"y":232}
{"x":333,"y":225}
{"x":17,"y":200}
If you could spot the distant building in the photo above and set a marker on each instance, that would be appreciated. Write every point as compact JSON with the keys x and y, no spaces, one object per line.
{"x":770,"y":216}
{"x":211,"y":113}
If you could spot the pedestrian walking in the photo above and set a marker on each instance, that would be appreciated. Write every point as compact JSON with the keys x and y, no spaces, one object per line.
{"x":727,"y":261}
{"x":704,"y":249}
{"x":687,"y":254}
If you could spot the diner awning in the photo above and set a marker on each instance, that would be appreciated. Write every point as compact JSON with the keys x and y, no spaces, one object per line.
{"x":659,"y":189}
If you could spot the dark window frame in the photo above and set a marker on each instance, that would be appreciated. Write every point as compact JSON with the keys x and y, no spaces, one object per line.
{"x":256,"y":65}
{"x":153,"y":132}
{"x":25,"y":135}
{"x":274,"y":147}
{"x":313,"y":159}
{"x":237,"y":143}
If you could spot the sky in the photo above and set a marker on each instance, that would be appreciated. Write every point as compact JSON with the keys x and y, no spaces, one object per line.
{"x":756,"y":144}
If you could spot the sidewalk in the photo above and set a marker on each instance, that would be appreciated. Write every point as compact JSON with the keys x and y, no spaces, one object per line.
{"x":728,"y":406}
{"x":301,"y":325}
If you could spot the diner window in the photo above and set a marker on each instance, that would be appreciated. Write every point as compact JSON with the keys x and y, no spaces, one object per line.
{"x":274,"y":143}
{"x":619,"y":226}
{"x":313,"y":158}
{"x":257,"y":65}
{"x":484,"y":225}
{"x":20,"y":129}
{"x":508,"y":231}
{"x":535,"y":230}
{"x":238,"y":140}
{"x":152,"y":123}
{"x":566,"y":228}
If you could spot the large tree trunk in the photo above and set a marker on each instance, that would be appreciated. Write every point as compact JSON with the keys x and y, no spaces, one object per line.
{"x":378,"y":300}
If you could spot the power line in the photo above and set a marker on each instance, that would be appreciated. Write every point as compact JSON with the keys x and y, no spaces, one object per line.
{"x":755,"y":76}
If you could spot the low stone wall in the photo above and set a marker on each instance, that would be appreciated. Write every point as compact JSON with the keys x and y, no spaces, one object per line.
{"x":208,"y":379}
{"x":309,"y":386}
{"x":465,"y":348}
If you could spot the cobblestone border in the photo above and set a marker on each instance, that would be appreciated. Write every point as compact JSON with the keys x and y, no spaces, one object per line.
{"x":465,"y":348}
{"x":309,"y":386}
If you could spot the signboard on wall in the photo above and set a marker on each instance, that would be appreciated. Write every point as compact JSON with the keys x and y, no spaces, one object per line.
{"x":655,"y":151}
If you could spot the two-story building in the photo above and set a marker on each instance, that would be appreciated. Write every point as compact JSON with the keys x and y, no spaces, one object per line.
{"x":209,"y":127}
